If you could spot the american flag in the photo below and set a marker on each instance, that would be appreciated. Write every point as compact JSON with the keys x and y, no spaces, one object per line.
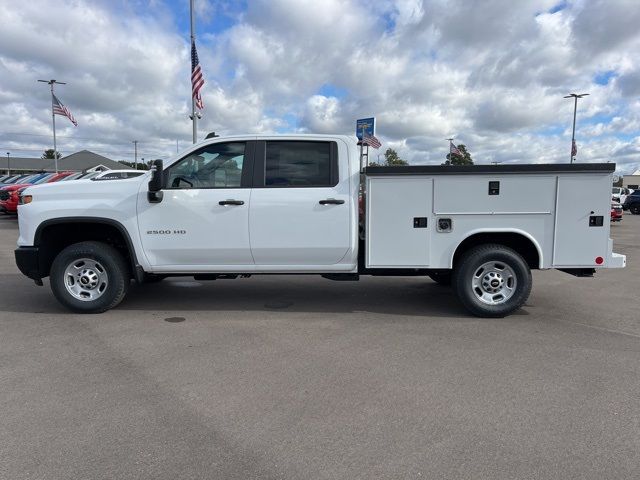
{"x":60,"y":109}
{"x":574,"y":148}
{"x":371,"y":140}
{"x":197,"y":80}
{"x":454,"y":150}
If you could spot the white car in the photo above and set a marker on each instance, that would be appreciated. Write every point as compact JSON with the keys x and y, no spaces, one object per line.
{"x":118,"y":174}
{"x":619,"y":194}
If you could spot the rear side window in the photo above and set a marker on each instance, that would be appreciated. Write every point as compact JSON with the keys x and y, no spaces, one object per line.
{"x":301,"y":164}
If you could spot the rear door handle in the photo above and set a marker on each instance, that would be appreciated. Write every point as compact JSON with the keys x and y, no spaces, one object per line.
{"x":331,"y":201}
{"x":230,"y":202}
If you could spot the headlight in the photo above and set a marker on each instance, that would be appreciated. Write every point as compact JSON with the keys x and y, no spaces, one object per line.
{"x":24,"y":199}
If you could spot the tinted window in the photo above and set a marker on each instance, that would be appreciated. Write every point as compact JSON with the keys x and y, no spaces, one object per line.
{"x":298,"y":164}
{"x":214,"y":166}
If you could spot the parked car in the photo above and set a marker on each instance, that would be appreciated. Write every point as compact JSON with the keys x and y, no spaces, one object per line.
{"x":632,"y":203}
{"x":9,"y":195}
{"x":81,"y":176}
{"x":616,"y":212}
{"x":118,"y":174}
{"x":619,"y":194}
{"x":16,"y":179}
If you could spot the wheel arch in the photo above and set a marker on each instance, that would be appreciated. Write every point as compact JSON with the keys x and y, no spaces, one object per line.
{"x":55,"y":234}
{"x":519,"y":240}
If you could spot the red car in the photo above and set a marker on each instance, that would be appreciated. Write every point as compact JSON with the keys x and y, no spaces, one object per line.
{"x":616,"y":212}
{"x":9,"y":194}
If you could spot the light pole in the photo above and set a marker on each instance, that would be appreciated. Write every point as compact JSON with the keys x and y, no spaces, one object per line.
{"x":135,"y":154}
{"x":8,"y":163}
{"x":575,"y":97}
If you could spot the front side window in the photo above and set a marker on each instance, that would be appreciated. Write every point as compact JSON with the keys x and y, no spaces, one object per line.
{"x":214,"y":166}
{"x":299,"y":164}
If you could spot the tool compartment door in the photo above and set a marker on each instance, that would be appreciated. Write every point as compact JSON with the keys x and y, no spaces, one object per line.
{"x":582,"y":220}
{"x":399,"y":222}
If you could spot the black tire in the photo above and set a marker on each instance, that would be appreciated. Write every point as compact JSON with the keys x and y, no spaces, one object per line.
{"x":441,"y":277}
{"x":468,"y":268}
{"x":635,"y":209}
{"x":108,"y":259}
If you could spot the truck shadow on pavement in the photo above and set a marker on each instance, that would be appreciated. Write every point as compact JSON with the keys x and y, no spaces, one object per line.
{"x":413,"y":296}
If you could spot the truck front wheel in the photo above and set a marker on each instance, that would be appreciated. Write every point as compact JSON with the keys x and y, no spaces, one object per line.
{"x":89,"y":277}
{"x":492,"y":280}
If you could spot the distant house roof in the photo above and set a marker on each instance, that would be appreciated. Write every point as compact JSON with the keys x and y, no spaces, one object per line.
{"x":85,"y":160}
{"x":18,"y":164}
{"x":77,"y":162}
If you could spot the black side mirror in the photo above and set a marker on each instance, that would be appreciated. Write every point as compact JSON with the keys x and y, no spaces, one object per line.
{"x":156,"y":183}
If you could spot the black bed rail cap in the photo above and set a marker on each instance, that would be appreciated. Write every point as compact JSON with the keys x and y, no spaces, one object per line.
{"x":502,"y":168}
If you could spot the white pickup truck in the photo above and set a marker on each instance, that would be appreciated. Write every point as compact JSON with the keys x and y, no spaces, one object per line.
{"x":302,"y":204}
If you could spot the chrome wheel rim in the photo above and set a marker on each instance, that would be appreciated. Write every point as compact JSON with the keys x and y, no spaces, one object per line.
{"x":86,"y":279}
{"x":494,"y":283}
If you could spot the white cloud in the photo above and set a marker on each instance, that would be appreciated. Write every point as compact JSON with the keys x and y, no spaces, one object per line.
{"x":491,"y":73}
{"x":321,"y":114}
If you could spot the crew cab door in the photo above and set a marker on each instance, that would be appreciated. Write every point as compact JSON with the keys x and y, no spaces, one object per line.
{"x":203,"y":218}
{"x":300,"y":205}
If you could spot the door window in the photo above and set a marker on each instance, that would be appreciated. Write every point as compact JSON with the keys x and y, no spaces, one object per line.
{"x":214,"y":166}
{"x":300,"y":164}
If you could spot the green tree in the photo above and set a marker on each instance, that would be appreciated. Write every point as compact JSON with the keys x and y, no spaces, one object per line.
{"x":455,"y":159}
{"x":391,"y":158}
{"x":48,"y":154}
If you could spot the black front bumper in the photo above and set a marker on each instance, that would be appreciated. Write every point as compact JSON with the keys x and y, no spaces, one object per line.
{"x":27,"y":259}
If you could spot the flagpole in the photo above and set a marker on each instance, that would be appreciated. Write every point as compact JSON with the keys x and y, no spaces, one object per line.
{"x":51,"y":83}
{"x":194,"y":118}
{"x":53,"y":119}
{"x":362,"y":149}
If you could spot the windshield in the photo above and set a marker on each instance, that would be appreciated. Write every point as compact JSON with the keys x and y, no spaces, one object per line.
{"x":15,"y":179}
{"x":26,"y":179}
{"x":72,"y":177}
{"x":43,"y":179}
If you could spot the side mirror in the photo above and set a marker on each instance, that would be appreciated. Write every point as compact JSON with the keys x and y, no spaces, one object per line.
{"x":156,"y":183}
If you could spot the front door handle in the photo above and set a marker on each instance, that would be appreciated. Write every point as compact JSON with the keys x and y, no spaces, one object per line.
{"x":331,"y":201}
{"x":230,"y":202}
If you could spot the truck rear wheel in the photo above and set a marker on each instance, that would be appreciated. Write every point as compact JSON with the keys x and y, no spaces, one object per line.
{"x":89,"y":277}
{"x":492,"y":280}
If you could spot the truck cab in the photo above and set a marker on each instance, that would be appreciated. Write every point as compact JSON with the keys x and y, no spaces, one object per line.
{"x":255,"y":205}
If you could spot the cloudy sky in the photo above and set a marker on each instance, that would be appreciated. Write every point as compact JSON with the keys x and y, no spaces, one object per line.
{"x":490,"y":73}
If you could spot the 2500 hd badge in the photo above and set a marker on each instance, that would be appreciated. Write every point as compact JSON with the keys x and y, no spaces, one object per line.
{"x":166,"y":232}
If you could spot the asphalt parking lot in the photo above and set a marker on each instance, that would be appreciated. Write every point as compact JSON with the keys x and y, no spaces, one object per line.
{"x":304,"y":378}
